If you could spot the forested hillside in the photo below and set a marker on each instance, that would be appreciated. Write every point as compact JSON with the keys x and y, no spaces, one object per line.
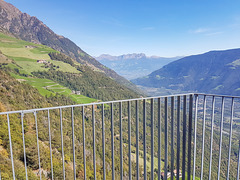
{"x":216,"y":72}
{"x":57,"y":73}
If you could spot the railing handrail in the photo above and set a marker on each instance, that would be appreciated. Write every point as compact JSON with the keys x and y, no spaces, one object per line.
{"x":89,"y":104}
{"x":109,"y":102}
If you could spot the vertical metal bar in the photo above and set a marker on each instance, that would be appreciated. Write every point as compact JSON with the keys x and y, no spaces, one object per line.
{"x":50,"y":143}
{"x":203,"y":134}
{"x":190,"y":136}
{"x":129,"y":141}
{"x":172,"y":137}
{"x":103,"y":142}
{"x":137,"y":141}
{"x":39,"y":162}
{"x":178,"y":136}
{"x":230,"y":138}
{"x":73,"y":146}
{"x":144,"y":140}
{"x":83,"y":134}
{"x":159,"y":138}
{"x":166,"y":139}
{"x":94,"y":147}
{"x":61,"y":128}
{"x":112,"y":138}
{"x":24,"y":151}
{"x":10,"y":143}
{"x":152,"y":139}
{"x":195,"y":136}
{"x":121,"y":141}
{"x":238,"y":166}
{"x":0,"y":175}
{"x":220,"y":143}
{"x":184,"y":136}
{"x":211,"y":144}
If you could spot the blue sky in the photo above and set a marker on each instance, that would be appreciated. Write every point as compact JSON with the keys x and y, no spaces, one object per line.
{"x":155,"y":27}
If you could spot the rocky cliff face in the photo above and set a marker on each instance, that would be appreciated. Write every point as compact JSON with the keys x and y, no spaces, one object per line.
{"x":29,"y":28}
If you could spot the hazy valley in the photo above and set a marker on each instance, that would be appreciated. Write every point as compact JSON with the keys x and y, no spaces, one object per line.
{"x":132,"y":66}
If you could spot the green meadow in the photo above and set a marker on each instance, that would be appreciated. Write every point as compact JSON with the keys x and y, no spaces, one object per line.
{"x":26,"y":54}
{"x":23,"y":56}
{"x":47,"y":88}
{"x":31,"y":65}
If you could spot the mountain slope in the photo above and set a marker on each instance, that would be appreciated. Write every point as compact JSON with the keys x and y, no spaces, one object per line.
{"x":212,"y":72}
{"x":40,"y":65}
{"x":132,"y":66}
{"x":31,"y":29}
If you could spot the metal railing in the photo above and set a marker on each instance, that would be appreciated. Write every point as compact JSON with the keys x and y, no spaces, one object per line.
{"x":193,"y":136}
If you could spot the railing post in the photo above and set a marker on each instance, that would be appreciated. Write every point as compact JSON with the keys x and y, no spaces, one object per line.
{"x":24,"y":151}
{"x":61,"y":129}
{"x":203,"y":134}
{"x":166,"y":139}
{"x":103,"y":143}
{"x":137,"y":141}
{"x":112,"y":141}
{"x":159,"y":138}
{"x":10,"y":143}
{"x":195,"y":136}
{"x":172,"y":137}
{"x":129,"y":141}
{"x":211,"y":144}
{"x":190,"y":136}
{"x":144,"y":140}
{"x":152,"y":139}
{"x":50,"y":143}
{"x":230,"y":138}
{"x":39,"y":162}
{"x":94,"y":147}
{"x":220,"y":143}
{"x":178,"y":135}
{"x":73,"y":145}
{"x":83,"y":135}
{"x":121,"y":141}
{"x":184,"y":136}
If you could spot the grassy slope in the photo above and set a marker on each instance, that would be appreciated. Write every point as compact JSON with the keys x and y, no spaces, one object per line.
{"x":48,"y":87}
{"x":25,"y":56}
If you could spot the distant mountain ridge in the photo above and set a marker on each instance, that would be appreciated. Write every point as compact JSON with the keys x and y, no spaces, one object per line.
{"x":134,"y":65}
{"x":121,"y":57}
{"x":212,"y":72}
{"x":29,"y":28}
{"x":129,"y":56}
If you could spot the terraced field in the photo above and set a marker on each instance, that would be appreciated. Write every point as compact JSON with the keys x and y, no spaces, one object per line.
{"x":21,"y":55}
{"x":47,"y":87}
{"x":26,"y":55}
